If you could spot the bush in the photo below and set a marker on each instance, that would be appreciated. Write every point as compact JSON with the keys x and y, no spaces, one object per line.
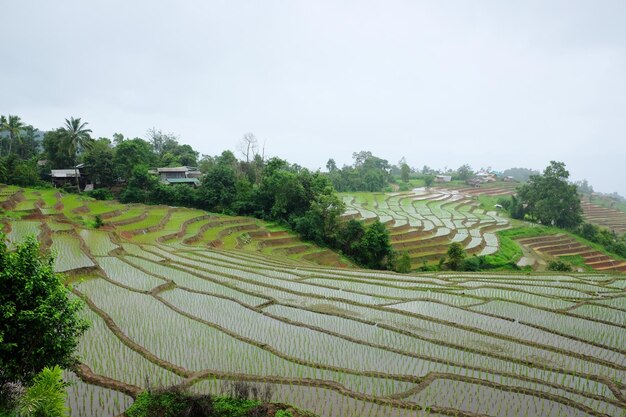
{"x":403,"y":265}
{"x":560,"y":266}
{"x":455,"y":256}
{"x":98,"y":223}
{"x":46,"y":396}
{"x":101,"y":194}
{"x":176,"y":402}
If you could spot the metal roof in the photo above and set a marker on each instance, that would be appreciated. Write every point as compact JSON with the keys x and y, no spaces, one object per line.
{"x":182,"y":180}
{"x":64,"y":173}
{"x":176,"y":169}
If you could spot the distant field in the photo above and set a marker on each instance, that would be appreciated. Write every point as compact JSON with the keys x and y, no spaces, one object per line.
{"x":177,"y":295}
{"x":611,"y":218}
{"x":424,"y":222}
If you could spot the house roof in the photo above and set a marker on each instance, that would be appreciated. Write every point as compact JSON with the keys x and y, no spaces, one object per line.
{"x":176,"y":169}
{"x":183,"y":180}
{"x":64,"y":173}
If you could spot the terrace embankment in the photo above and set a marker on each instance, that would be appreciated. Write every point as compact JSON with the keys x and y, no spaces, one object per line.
{"x":559,"y":245}
{"x":423,"y":223}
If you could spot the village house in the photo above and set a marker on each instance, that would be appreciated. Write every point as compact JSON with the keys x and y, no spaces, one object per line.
{"x":443,"y":178}
{"x":67,"y":177}
{"x":486,"y":177}
{"x":179,"y":175}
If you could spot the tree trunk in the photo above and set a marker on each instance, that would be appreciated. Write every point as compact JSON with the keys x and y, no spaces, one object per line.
{"x":76,"y":174}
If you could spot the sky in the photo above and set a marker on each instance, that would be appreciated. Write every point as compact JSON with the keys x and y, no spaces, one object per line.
{"x":490,"y":83}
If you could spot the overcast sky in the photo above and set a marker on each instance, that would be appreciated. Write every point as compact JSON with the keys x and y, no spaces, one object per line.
{"x":489,"y":83}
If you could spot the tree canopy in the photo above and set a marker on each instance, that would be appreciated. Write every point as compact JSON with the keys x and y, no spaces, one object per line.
{"x":550,"y":199}
{"x":368,"y":173}
{"x":39,"y":323}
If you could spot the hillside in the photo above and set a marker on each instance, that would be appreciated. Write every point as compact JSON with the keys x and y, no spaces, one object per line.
{"x":424,"y":222}
{"x":65,"y":223}
{"x":170,"y":304}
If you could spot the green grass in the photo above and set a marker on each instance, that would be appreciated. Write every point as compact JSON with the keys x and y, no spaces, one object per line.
{"x":417,"y":182}
{"x":488,"y":202}
{"x":154,"y":217}
{"x":509,"y":252}
{"x":577,"y":261}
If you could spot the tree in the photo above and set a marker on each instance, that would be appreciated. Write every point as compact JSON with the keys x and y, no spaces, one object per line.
{"x":77,"y":138}
{"x":455,"y":256}
{"x":39,"y":324}
{"x":549,"y":199}
{"x":98,"y":161}
{"x":55,"y":149}
{"x":131,"y":153}
{"x":403,"y":264}
{"x":428,"y":180}
{"x":584,"y":187}
{"x":13,"y":126}
{"x":405,"y":172}
{"x":249,"y":146}
{"x":331,"y":165}
{"x":28,"y":145}
{"x":160,"y":141}
{"x":465,"y":172}
{"x":520,"y":174}
{"x":218,"y":188}
{"x":374,"y":249}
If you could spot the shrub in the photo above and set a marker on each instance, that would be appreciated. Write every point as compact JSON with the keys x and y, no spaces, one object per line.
{"x":558,"y":265}
{"x":403,"y":265}
{"x":101,"y":194}
{"x":98,"y":223}
{"x":45,"y":397}
{"x":455,"y":256}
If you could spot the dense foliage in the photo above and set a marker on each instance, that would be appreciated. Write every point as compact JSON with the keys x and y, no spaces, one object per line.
{"x":244,"y":400}
{"x":549,"y":199}
{"x":455,"y":256}
{"x":302,"y":200}
{"x":604,"y":237}
{"x":39,"y":323}
{"x":45,"y":397}
{"x":367,"y":173}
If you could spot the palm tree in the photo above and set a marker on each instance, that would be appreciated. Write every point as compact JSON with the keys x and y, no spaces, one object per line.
{"x":76,"y":139}
{"x":14,"y":126}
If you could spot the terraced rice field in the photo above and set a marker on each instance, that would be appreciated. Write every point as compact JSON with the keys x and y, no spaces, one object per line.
{"x":425,"y":222}
{"x":612,"y":219}
{"x":176,"y":308}
{"x":562,"y":245}
{"x":498,"y":188}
